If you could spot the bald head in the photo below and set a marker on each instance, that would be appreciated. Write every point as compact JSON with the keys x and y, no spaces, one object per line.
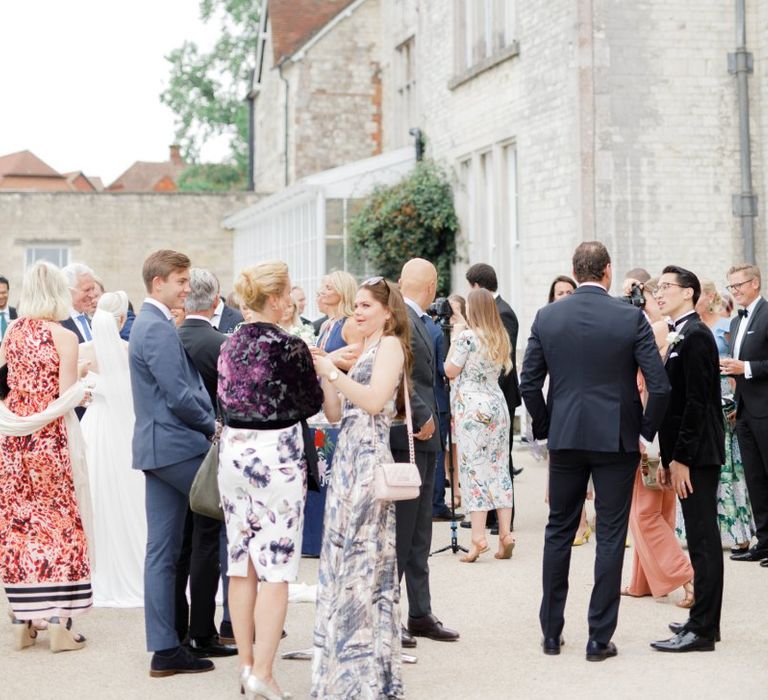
{"x":418,"y":281}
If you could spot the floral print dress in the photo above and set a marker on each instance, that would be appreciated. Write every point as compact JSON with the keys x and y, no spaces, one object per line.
{"x":43,"y":551}
{"x":481,"y":424}
{"x":357,"y":621}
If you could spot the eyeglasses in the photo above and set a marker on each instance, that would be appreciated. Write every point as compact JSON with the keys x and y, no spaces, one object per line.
{"x":664,"y":286}
{"x":738,"y":285}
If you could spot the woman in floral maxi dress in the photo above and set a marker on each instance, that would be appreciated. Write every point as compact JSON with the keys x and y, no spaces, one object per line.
{"x":357,"y":623}
{"x":43,"y":551}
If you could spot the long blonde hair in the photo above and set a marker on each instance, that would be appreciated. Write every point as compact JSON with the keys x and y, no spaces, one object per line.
{"x":483,"y":318}
{"x":346,"y":287}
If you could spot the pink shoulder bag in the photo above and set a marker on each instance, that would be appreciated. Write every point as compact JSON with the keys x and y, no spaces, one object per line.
{"x":397,"y":481}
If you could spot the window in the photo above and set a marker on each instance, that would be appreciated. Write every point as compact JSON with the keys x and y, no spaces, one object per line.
{"x":405,"y":84}
{"x":52,"y":253}
{"x":483,"y":29}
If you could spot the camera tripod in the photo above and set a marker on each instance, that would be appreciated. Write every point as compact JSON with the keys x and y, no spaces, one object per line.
{"x":454,"y":546}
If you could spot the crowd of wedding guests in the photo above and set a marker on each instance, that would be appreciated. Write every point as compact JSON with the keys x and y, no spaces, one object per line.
{"x":153,"y":389}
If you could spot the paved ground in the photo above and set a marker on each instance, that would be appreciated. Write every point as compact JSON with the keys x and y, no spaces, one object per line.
{"x":495,"y":606}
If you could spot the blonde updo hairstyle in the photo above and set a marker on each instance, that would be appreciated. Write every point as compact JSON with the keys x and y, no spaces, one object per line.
{"x":257,"y":283}
{"x":708,"y":287}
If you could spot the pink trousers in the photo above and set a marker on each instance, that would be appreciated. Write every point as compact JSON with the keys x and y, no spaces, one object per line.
{"x":659,"y":565}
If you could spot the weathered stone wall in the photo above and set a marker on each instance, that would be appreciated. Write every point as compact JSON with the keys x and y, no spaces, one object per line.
{"x":113,"y":233}
{"x":334,"y":109}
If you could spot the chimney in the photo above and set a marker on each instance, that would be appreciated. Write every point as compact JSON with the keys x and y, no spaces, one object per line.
{"x":176,"y":158}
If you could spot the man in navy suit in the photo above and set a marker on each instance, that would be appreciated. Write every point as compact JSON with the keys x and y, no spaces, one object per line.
{"x":82,"y":287}
{"x":591,"y":345}
{"x":174,"y":426}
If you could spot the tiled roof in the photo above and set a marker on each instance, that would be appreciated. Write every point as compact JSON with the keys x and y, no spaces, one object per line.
{"x":143,"y":176}
{"x":294,"y":22}
{"x":25,"y":163}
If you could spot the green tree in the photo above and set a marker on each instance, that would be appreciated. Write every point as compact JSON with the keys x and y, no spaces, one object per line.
{"x":413,"y":218}
{"x":206,"y":89}
{"x":211,"y":177}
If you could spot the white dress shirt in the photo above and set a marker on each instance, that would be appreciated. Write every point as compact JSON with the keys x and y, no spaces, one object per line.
{"x":216,"y":318}
{"x":159,"y":304}
{"x":741,"y":334}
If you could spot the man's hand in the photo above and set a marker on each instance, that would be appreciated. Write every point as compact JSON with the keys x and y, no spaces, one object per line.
{"x":731,"y":418}
{"x":426,"y":431}
{"x":680,"y":475}
{"x":731,"y":367}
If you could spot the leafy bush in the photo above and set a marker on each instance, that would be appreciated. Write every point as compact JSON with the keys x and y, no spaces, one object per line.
{"x":211,"y":177}
{"x":413,"y":218}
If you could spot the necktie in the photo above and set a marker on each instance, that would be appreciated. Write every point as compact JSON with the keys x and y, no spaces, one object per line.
{"x":86,"y":328}
{"x":3,"y":324}
{"x":744,"y":313}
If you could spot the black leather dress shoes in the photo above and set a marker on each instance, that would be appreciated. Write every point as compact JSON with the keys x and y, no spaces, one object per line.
{"x":685,"y":641}
{"x":429,"y":626}
{"x":551,"y":645}
{"x":600,"y":652}
{"x":764,"y":563}
{"x":751,"y":554}
{"x":678,"y":627}
{"x":210,"y":646}
{"x":407,"y":640}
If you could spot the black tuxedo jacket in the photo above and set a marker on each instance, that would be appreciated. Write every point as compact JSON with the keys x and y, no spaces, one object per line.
{"x":12,"y":312}
{"x":229,"y":319}
{"x":692,"y":430}
{"x":203,"y":345}
{"x":591,"y":345}
{"x":422,"y":389}
{"x":508,"y":382}
{"x":752,"y":394}
{"x":72,"y":326}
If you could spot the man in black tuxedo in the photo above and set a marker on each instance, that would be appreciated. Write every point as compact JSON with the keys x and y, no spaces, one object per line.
{"x":7,"y":313}
{"x":201,"y":557}
{"x":692,"y":444}
{"x":591,"y":345}
{"x":418,"y":282}
{"x":748,"y":364}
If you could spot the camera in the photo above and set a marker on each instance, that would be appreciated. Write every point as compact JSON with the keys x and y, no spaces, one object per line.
{"x":635,"y":296}
{"x":440,"y":309}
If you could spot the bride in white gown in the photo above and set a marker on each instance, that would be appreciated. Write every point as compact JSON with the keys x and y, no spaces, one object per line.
{"x":117,"y":490}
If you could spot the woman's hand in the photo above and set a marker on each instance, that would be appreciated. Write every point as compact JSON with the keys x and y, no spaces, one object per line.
{"x":317,"y":352}
{"x":83,"y":367}
{"x":345,"y":357}
{"x":323,"y":365}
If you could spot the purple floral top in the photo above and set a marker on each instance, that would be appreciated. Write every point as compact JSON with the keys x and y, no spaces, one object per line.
{"x":267,"y":375}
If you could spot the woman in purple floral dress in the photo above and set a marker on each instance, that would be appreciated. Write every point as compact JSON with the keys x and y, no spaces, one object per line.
{"x":267,"y":386}
{"x":357,"y":623}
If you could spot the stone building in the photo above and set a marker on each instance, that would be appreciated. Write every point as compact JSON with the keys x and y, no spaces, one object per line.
{"x":113,"y":233}
{"x":558,"y":122}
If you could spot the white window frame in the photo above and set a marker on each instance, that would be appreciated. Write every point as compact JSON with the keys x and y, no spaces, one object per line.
{"x":51,"y":251}
{"x":482,"y":29}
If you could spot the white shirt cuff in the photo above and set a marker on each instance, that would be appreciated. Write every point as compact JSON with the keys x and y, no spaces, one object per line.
{"x":747,"y":371}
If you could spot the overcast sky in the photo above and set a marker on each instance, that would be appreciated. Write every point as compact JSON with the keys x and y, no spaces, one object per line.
{"x":80,"y":80}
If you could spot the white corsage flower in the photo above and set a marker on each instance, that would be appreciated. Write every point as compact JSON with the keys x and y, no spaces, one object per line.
{"x":674,"y":338}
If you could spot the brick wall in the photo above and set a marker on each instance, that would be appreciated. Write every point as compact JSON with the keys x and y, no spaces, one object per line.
{"x":113,"y":233}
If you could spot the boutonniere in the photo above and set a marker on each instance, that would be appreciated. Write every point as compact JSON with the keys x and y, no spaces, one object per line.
{"x":674,"y":338}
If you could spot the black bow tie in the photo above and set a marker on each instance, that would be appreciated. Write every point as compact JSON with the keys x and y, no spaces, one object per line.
{"x":743,"y":313}
{"x":670,"y":325}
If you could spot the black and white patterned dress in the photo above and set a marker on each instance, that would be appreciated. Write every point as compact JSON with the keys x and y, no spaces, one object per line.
{"x":357,"y":623}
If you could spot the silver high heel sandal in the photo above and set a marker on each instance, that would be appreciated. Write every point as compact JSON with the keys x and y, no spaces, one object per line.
{"x":245,"y":672}
{"x":256,"y":689}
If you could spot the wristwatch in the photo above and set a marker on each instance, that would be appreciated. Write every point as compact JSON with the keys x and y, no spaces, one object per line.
{"x":333,"y":376}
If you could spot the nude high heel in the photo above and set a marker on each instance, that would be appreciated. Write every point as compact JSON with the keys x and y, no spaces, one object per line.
{"x":506,"y":547}
{"x":689,"y":599}
{"x":24,"y":634}
{"x":62,"y":638}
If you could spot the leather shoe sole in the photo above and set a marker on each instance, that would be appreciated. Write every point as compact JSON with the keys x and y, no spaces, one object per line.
{"x":764,"y":563}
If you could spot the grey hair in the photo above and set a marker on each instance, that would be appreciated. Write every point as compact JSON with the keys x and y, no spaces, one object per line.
{"x":203,"y":289}
{"x":75,"y":271}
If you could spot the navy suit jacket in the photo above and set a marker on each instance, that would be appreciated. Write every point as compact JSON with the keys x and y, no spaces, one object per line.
{"x":591,"y":345}
{"x":69,"y":324}
{"x":229,"y":319}
{"x":174,"y":415}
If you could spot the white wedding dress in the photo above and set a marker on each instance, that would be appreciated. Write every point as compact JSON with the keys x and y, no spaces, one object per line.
{"x":117,"y":490}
